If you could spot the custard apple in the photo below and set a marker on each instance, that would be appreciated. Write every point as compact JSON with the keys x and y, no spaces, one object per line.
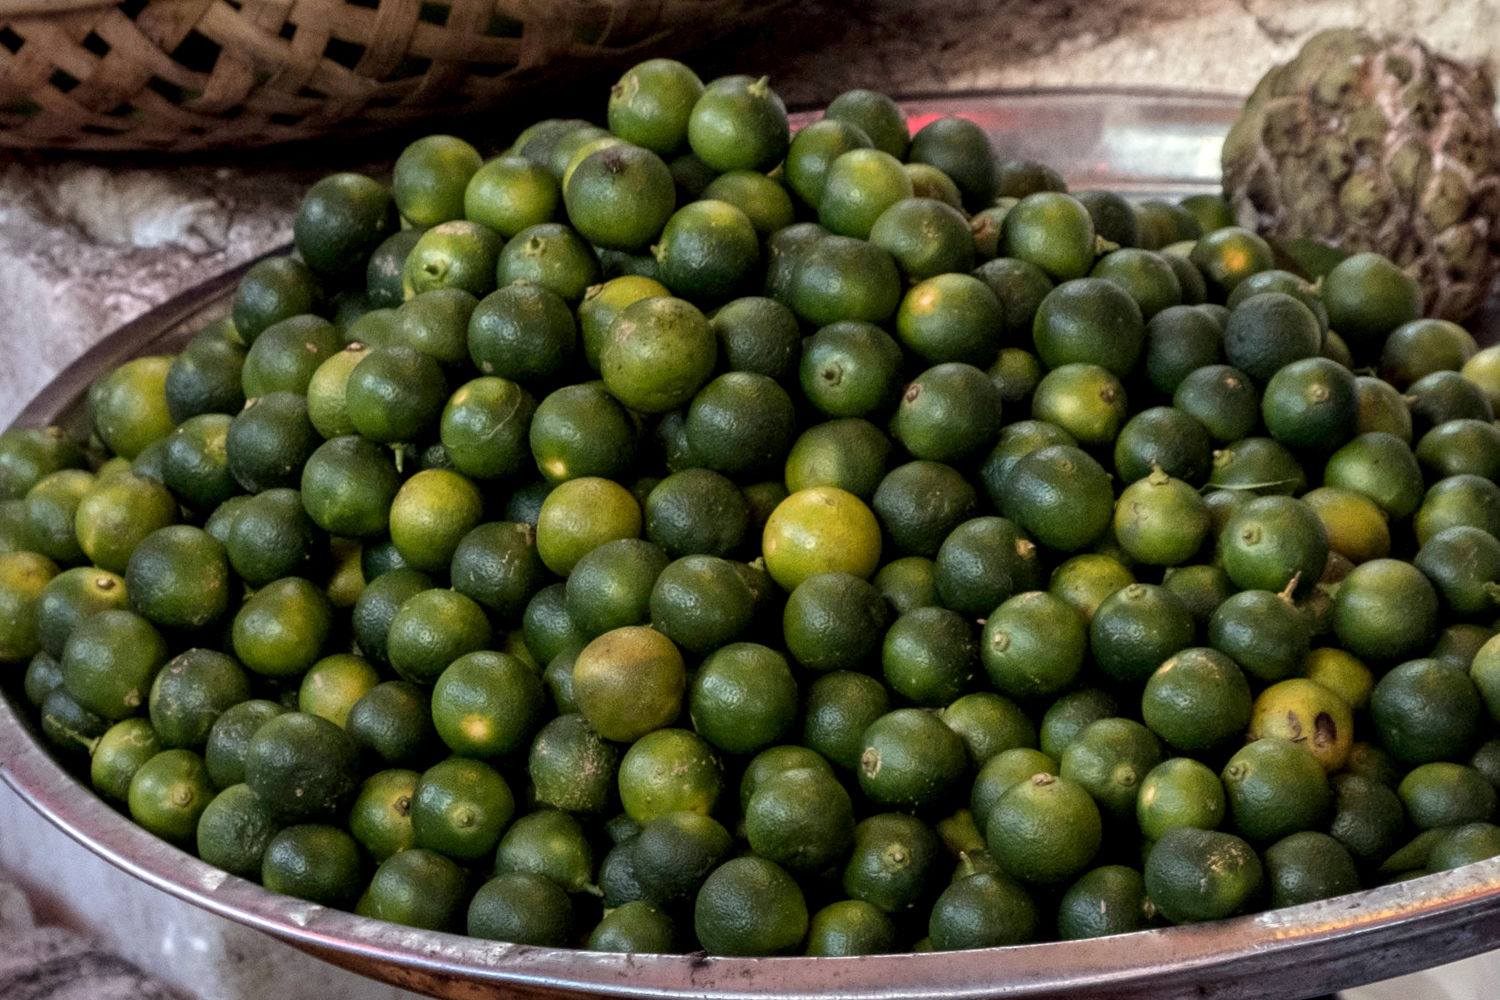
{"x":1376,"y":144}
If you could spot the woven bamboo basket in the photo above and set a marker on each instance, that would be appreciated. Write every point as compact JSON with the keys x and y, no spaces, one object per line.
{"x":200,"y":74}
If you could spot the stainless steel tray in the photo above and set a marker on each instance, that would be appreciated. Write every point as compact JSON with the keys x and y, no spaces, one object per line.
{"x":1142,"y":142}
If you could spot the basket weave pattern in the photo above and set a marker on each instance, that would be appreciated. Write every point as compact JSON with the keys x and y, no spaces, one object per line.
{"x":196,"y":74}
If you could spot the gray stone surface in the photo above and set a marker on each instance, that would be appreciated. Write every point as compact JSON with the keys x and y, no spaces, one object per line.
{"x":89,"y":247}
{"x":1201,"y":44}
{"x":15,"y":910}
{"x":50,"y":963}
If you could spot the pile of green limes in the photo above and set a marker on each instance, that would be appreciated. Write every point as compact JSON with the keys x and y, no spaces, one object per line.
{"x":690,"y":534}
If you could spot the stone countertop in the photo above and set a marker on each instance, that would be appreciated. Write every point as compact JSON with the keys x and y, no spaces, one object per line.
{"x":91,"y":242}
{"x":44,"y":961}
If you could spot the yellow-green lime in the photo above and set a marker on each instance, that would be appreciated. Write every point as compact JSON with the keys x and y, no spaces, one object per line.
{"x":669,"y":770}
{"x":629,"y":681}
{"x":580,"y":515}
{"x":168,"y":794}
{"x":821,"y":529}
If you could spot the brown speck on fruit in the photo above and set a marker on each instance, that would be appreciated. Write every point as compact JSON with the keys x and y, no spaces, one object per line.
{"x":869,"y":762}
{"x":1325,"y":730}
{"x":1294,"y":728}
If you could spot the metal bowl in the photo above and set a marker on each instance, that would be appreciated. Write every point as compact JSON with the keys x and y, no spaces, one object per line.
{"x":1143,"y":142}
